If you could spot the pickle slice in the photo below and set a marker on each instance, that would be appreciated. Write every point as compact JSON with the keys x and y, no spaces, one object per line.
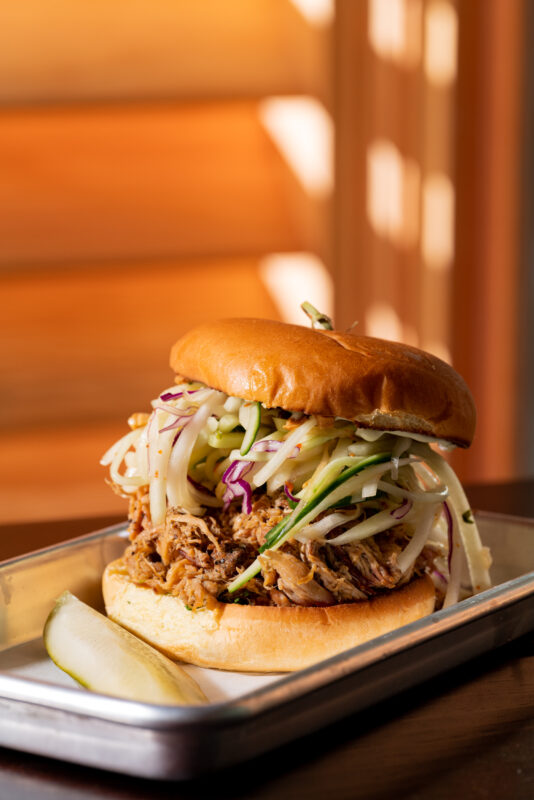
{"x":105,"y":658}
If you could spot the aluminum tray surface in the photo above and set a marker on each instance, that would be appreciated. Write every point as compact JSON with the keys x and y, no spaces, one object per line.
{"x":43,"y":711}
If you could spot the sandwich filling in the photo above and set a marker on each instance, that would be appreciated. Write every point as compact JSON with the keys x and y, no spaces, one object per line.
{"x":234,"y":502}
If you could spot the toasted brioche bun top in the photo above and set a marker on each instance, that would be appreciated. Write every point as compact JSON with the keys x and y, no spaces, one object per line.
{"x":375,"y":383}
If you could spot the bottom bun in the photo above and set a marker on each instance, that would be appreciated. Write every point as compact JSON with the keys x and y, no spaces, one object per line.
{"x":258,"y":638}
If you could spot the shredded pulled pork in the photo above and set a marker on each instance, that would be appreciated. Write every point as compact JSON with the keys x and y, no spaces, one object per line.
{"x":195,"y":558}
{"x":294,"y":578}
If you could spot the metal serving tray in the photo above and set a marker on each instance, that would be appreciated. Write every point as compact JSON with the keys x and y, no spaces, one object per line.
{"x":42,"y":711}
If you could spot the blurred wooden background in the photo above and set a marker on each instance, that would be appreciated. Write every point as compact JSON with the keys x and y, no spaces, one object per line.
{"x":167,"y":162}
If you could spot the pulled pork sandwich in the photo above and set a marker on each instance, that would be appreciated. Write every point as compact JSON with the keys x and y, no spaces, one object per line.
{"x":287,"y":499}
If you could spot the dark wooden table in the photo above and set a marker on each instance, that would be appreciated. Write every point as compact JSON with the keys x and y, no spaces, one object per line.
{"x":468,"y":733}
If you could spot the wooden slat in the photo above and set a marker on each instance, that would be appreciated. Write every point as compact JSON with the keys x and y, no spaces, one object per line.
{"x":95,"y":49}
{"x":92,"y":343}
{"x":352,"y":252}
{"x":377,"y":269}
{"x":487,"y":338}
{"x":164,"y":180}
{"x":55,"y":473}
